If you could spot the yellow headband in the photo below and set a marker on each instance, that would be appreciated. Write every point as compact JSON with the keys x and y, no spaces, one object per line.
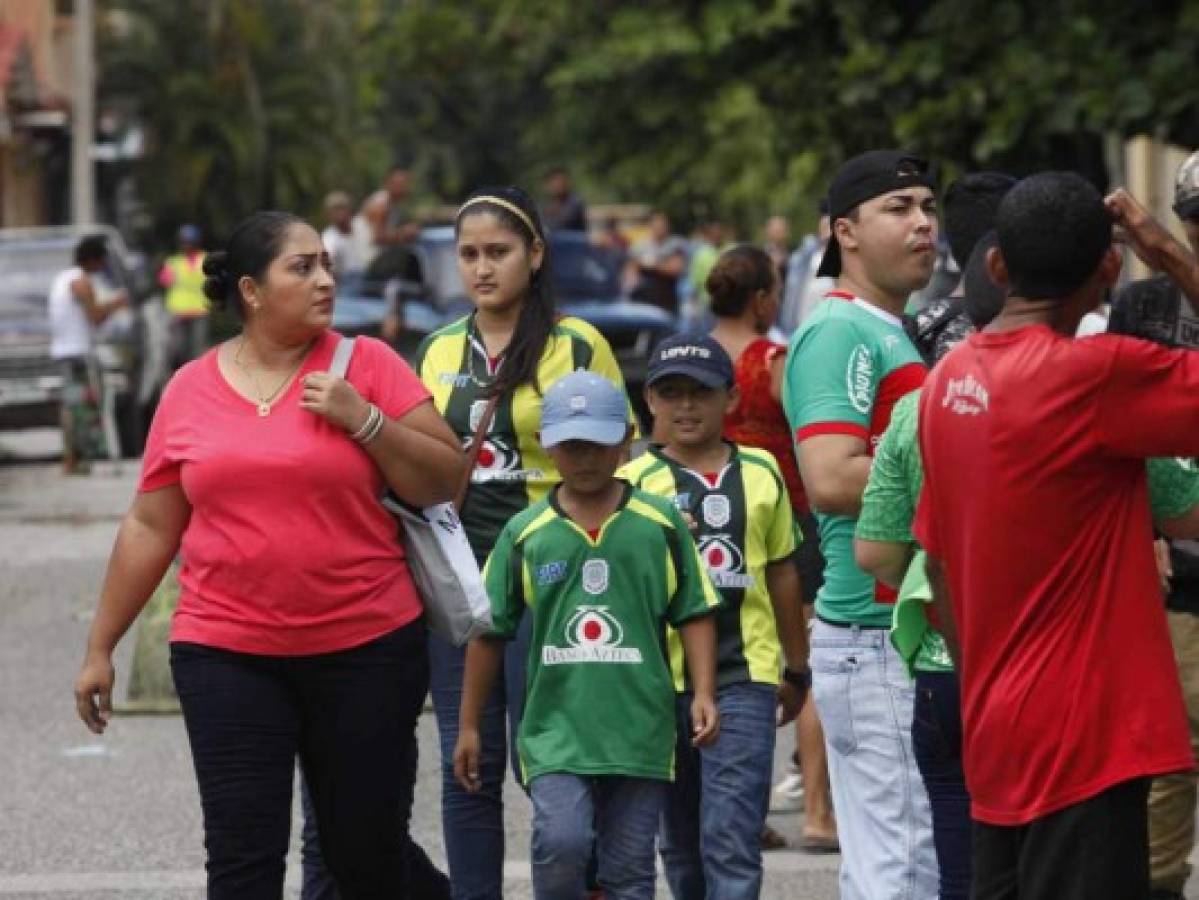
{"x":511,"y":207}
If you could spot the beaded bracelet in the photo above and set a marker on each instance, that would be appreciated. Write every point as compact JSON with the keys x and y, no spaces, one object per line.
{"x":373,"y":416}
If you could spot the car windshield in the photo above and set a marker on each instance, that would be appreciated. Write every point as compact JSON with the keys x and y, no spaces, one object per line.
{"x":26,"y":271}
{"x":581,"y":271}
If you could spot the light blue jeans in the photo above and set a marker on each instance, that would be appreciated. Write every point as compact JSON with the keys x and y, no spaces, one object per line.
{"x":865,"y":699}
{"x":712,"y":823}
{"x":613,"y":816}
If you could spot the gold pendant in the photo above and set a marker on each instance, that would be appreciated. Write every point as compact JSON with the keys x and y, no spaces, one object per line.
{"x":264,"y":409}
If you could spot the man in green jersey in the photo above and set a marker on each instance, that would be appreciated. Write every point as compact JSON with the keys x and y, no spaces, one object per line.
{"x":604,"y":569}
{"x":846,"y":367}
{"x":742,"y":520}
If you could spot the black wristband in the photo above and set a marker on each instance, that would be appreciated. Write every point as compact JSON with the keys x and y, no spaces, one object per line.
{"x":802,"y":680}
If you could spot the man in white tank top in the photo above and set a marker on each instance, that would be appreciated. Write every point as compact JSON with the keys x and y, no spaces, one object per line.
{"x":75,"y":310}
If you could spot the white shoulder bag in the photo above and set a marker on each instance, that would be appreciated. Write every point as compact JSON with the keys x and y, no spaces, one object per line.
{"x":439,"y":556}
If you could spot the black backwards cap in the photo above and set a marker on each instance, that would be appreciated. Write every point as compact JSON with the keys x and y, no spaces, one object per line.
{"x":863,"y":178}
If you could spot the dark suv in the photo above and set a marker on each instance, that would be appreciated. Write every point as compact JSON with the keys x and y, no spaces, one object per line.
{"x":130,"y":347}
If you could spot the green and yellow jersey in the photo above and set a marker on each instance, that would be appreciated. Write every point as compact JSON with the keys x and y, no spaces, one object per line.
{"x":599,"y":699}
{"x":742,"y":521}
{"x":513,"y":471}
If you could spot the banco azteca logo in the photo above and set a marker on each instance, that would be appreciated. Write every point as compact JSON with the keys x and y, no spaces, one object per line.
{"x":592,"y":635}
{"x":724,"y":561}
{"x":499,"y":461}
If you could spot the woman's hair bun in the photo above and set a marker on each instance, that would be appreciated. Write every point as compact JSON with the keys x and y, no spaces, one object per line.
{"x":725,"y":281}
{"x":217,"y":280}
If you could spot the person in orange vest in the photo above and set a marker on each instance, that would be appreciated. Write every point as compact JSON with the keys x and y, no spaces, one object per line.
{"x":182,"y":277}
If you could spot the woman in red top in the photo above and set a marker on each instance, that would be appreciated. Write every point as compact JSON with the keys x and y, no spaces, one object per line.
{"x":298,"y":629}
{"x":744,"y":287}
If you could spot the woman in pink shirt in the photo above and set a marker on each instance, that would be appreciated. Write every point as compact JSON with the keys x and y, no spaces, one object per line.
{"x":299,"y":629}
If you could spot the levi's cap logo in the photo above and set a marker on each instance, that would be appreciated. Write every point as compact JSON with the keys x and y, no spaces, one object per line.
{"x":685,"y":352}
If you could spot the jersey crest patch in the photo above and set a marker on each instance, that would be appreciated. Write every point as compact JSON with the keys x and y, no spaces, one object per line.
{"x":717,"y":510}
{"x":477,"y":408}
{"x":595,"y":576}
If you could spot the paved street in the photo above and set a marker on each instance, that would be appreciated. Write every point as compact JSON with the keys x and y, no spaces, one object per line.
{"x":119,"y":816}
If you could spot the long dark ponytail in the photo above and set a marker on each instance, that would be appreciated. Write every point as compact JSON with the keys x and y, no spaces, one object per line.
{"x":538,"y":314}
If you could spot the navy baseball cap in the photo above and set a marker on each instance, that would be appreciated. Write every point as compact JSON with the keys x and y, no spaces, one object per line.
{"x":696,"y":356}
{"x":866,"y":176}
{"x":583,"y":406}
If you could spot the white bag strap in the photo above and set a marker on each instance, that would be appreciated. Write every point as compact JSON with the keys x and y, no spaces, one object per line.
{"x":341,"y":357}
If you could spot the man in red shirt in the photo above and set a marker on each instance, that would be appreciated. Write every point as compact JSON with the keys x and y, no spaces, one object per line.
{"x":1036,"y":519}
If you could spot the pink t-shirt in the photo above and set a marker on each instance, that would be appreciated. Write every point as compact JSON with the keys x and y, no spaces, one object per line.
{"x":288,"y":551}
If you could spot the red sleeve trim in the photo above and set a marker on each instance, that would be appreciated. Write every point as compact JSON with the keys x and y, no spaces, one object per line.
{"x":817,"y":428}
{"x":906,"y":378}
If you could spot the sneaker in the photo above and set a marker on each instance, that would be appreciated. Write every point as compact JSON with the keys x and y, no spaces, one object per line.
{"x":787,"y":795}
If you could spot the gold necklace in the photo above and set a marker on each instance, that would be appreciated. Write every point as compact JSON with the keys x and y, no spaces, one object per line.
{"x":264,"y":403}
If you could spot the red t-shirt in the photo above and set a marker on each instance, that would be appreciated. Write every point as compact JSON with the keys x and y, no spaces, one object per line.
{"x":1036,"y":501}
{"x":288,"y":550}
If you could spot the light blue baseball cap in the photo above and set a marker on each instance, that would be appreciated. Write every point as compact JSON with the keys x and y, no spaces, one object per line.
{"x":583,"y":406}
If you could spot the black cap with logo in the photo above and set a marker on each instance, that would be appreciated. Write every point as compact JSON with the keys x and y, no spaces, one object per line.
{"x":695,"y":356}
{"x":863,"y":178}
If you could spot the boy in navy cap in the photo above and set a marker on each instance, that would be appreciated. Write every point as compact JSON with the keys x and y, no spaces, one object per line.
{"x":741,"y":517}
{"x":603,"y":569}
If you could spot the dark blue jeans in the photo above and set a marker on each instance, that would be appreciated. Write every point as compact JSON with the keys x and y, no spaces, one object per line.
{"x":937,"y":743}
{"x":425,"y":880}
{"x":609,"y":817}
{"x":473,"y":824}
{"x":344,"y":714}
{"x":715,"y":810}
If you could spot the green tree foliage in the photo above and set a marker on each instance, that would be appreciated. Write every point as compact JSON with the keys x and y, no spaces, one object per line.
{"x":247,"y":105}
{"x":735,"y":108}
{"x":466,"y":101}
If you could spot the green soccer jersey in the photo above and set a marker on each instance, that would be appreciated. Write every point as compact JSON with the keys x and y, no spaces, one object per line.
{"x":742,"y":521}
{"x":889,"y":507}
{"x":846,"y":368}
{"x":599,"y":698}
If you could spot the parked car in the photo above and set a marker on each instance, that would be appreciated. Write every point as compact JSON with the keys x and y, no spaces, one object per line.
{"x":130,"y":346}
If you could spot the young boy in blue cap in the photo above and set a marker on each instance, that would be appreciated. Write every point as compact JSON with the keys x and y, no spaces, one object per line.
{"x":737,"y":504}
{"x":603,"y":569}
